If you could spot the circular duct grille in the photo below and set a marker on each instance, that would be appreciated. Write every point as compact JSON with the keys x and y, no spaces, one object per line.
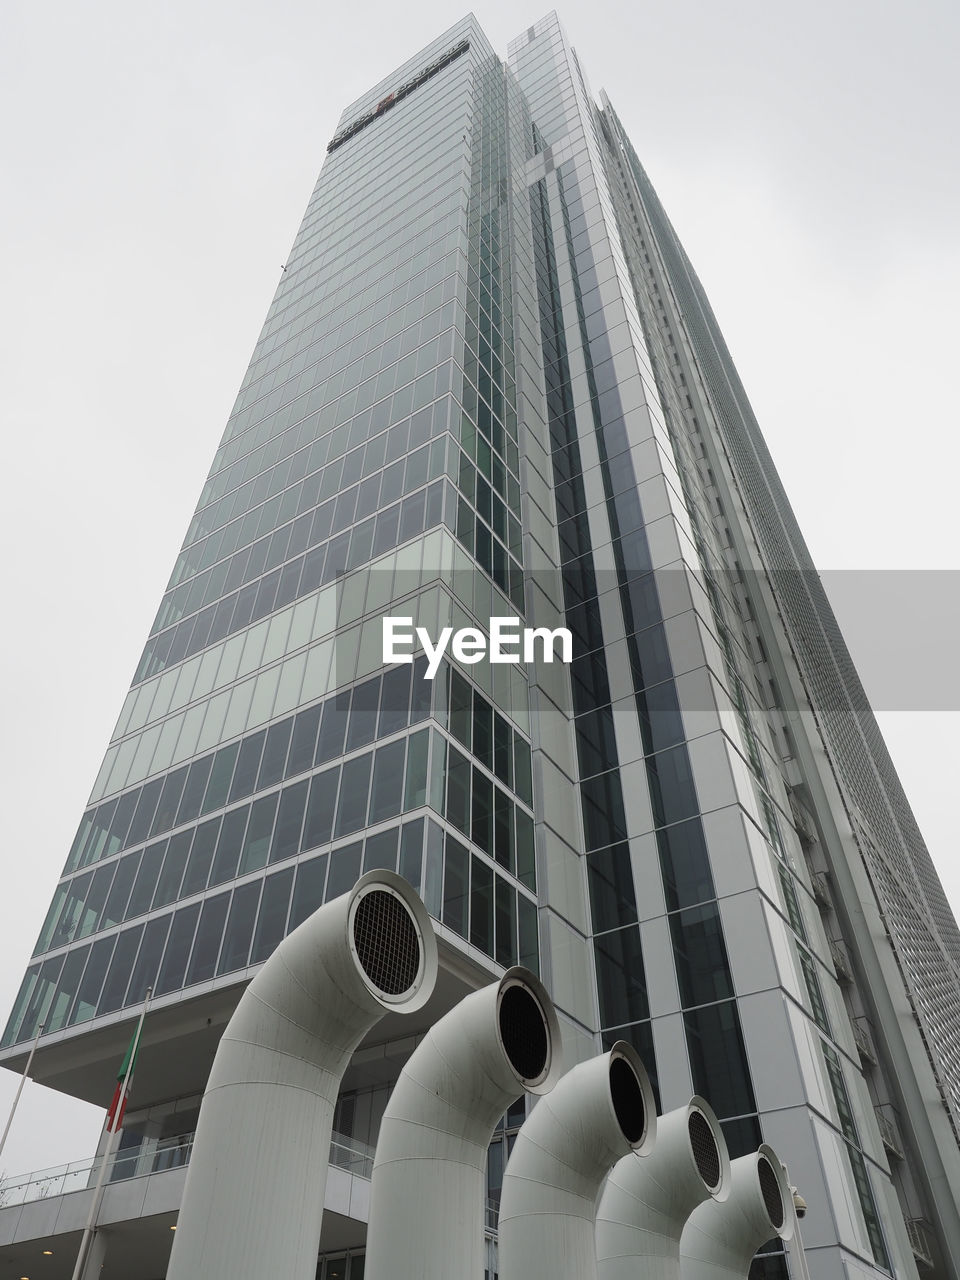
{"x":523,"y":1033}
{"x":627,"y":1097}
{"x":770,"y":1190}
{"x":387,"y":942}
{"x":703,"y":1144}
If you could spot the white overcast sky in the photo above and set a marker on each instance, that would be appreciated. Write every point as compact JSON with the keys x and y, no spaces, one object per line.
{"x":156,"y":160}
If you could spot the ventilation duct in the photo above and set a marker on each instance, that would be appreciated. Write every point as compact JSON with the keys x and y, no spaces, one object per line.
{"x":720,"y":1239}
{"x":599,"y":1111}
{"x":429,"y":1175}
{"x":646,"y":1203}
{"x":253,"y":1200}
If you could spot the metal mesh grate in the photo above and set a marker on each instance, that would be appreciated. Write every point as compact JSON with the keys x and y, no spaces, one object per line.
{"x":627,"y":1097}
{"x":523,"y":1033}
{"x":770,"y":1190}
{"x":387,"y":942}
{"x":706,"y":1153}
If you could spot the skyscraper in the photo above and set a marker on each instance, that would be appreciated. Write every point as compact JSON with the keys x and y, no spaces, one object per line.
{"x":490,"y":384}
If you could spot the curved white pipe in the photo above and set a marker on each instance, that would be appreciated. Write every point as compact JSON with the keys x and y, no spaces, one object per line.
{"x":429,"y":1176}
{"x":647,"y":1202}
{"x":720,"y":1239}
{"x":600,"y":1110}
{"x":253,"y":1199}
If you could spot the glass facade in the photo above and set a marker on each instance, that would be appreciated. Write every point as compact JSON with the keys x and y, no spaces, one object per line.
{"x":489,"y":385}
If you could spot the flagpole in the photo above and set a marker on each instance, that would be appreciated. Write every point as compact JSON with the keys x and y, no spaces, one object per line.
{"x":105,"y":1162}
{"x":23,"y":1081}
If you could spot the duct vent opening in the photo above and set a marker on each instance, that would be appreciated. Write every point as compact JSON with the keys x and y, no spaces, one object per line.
{"x":387,"y":942}
{"x":703,"y":1144}
{"x":627,"y":1097}
{"x":523,"y":1033}
{"x":770,"y":1190}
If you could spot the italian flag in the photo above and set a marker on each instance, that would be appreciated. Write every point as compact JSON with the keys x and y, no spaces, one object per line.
{"x":124,"y":1079}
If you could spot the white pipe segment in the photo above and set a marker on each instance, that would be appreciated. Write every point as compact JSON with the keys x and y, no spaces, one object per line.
{"x":720,"y":1239}
{"x":253,"y":1199}
{"x":599,"y":1111}
{"x":647,"y":1202}
{"x":428,"y":1195}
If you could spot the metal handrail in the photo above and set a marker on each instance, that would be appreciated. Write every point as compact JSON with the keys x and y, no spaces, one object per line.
{"x":918,"y":1230}
{"x":345,"y":1153}
{"x":864,"y":1039}
{"x":889,"y":1130}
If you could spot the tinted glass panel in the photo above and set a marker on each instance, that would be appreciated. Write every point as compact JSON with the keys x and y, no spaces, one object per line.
{"x":394,"y":700}
{"x":147,"y":877}
{"x":411,"y":852}
{"x":193,"y":791}
{"x":95,"y":901}
{"x":206,"y":945}
{"x":66,"y":989}
{"x":526,"y":858}
{"x":672,"y":791}
{"x":119,"y":893}
{"x":387,"y":788}
{"x":700,"y":955}
{"x":248,"y":765}
{"x":333,"y":727}
{"x":174,"y":964}
{"x":458,"y":790}
{"x":308,"y":891}
{"x":528,"y":931}
{"x":118,"y":976}
{"x":718,"y":1060}
{"x":146,"y":807}
{"x":230,"y":842}
{"x":363,"y":714}
{"x":456,"y":879}
{"x":354,"y":785}
{"x":201,"y":856}
{"x":239,"y":930}
{"x":286,"y":835}
{"x":272,"y":920}
{"x":684,"y":864}
{"x":169,"y":801}
{"x":344,"y":869}
{"x":274,"y":760}
{"x":620,"y":978}
{"x":481,"y":905}
{"x":88,"y":993}
{"x":174,"y":864}
{"x":318,"y":824}
{"x":256,"y":841}
{"x":506,"y":923}
{"x":219,"y":785}
{"x":380,"y":851}
{"x":304,"y":741}
{"x":610,"y":877}
{"x":148,"y":961}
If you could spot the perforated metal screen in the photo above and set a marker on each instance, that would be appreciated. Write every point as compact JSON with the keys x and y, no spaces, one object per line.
{"x":387,"y":943}
{"x":706,"y":1154}
{"x":770,"y":1190}
{"x":523,"y":1033}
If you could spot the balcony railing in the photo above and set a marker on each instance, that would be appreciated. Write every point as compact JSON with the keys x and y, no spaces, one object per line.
{"x":864,"y":1040}
{"x":921,"y":1240}
{"x":820,"y":883}
{"x":889,"y":1130}
{"x":345,"y":1153}
{"x":841,"y":961}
